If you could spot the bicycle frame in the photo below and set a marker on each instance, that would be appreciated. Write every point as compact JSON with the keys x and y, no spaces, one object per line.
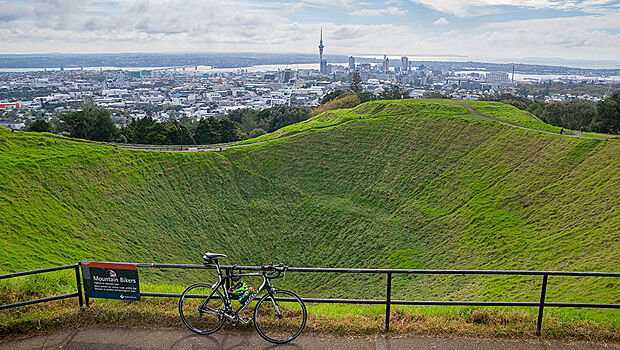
{"x":266,"y":285}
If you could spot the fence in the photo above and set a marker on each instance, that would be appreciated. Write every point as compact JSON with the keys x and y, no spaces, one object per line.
{"x":77,"y":294}
{"x":139,"y":146}
{"x":540,"y":304}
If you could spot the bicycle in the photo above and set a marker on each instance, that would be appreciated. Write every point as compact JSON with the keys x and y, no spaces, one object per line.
{"x":279,"y":316}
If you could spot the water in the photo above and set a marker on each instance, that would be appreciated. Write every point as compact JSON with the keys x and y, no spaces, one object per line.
{"x":186,"y":69}
{"x":519,"y":77}
{"x":562,"y":62}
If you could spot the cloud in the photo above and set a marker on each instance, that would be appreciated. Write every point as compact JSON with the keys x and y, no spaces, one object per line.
{"x":464,"y":8}
{"x":395,"y":11}
{"x":247,"y":26}
{"x":591,"y":37}
{"x":441,"y":22}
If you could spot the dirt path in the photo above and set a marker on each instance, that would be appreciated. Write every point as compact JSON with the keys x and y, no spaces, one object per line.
{"x":160,"y":339}
{"x":223,"y":147}
{"x":190,"y":148}
{"x":472,"y":110}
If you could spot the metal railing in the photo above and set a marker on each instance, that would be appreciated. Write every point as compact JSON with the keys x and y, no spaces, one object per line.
{"x":540,"y":304}
{"x":77,"y":294}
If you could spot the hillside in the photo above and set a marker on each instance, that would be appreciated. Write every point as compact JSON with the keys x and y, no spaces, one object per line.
{"x":403,"y":184}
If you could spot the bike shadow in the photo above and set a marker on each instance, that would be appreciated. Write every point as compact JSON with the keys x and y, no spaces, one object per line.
{"x":228,"y":341}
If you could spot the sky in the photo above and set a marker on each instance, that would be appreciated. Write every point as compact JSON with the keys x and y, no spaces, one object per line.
{"x":473,"y":29}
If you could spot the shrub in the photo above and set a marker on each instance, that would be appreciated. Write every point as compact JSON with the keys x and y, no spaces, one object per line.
{"x":348,"y":101}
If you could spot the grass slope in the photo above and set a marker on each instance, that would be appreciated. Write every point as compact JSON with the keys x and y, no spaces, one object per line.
{"x":403,"y":184}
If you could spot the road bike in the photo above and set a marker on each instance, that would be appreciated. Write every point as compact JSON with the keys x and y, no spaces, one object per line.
{"x":279,"y":315}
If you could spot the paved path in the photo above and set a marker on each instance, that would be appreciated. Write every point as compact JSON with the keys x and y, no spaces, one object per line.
{"x":160,"y":339}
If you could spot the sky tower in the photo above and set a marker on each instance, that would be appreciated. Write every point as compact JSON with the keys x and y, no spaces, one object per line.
{"x":322,"y":62}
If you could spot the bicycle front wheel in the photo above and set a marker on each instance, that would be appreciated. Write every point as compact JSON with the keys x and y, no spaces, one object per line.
{"x":201,"y":310}
{"x":280,"y":317}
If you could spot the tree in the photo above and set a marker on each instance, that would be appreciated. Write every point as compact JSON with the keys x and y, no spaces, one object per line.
{"x":332,"y":95}
{"x":104,"y":128}
{"x":348,"y":101}
{"x":366,"y":96}
{"x":248,"y":123}
{"x":78,"y":124}
{"x":207,"y":131}
{"x":148,"y":131}
{"x":230,"y":131}
{"x":393,"y":93}
{"x":257,"y":133}
{"x":238,"y":115}
{"x":536,"y":108}
{"x":580,"y":115}
{"x":282,"y":116}
{"x":608,"y":118}
{"x":40,"y":125}
{"x":554,"y":113}
{"x":91,"y":123}
{"x":577,"y":114}
{"x":356,"y":82}
{"x":177,"y":134}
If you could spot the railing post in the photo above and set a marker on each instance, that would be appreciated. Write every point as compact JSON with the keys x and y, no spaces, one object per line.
{"x":388,"y":301}
{"x":79,"y":285}
{"x":86,"y":298}
{"x":541,"y":307}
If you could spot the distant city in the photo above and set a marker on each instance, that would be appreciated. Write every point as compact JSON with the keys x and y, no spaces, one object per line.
{"x":204,"y":85}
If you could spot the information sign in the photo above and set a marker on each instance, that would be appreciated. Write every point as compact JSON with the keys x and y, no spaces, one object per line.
{"x":111,"y":280}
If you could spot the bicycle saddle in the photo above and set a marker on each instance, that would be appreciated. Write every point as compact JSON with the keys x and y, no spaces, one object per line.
{"x":213,"y":256}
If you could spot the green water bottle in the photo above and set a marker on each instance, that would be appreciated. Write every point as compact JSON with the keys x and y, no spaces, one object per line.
{"x":244,"y":297}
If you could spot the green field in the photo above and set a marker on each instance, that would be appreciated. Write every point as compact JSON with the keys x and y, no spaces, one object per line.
{"x":401,"y":184}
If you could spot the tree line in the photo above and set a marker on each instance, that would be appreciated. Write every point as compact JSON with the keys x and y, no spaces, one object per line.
{"x":583,"y":115}
{"x":94,"y":123}
{"x":257,"y":122}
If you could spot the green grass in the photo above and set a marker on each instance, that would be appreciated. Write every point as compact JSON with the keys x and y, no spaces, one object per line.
{"x":514,"y":116}
{"x":413,"y":183}
{"x":348,"y":320}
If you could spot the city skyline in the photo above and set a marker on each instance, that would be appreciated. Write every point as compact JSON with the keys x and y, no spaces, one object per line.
{"x":484,"y":29}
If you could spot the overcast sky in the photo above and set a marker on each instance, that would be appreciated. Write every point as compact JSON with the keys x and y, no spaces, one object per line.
{"x":478,"y":29}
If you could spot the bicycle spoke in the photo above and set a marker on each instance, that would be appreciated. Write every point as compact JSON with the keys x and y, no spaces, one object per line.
{"x":206,"y":316}
{"x":281,"y":318}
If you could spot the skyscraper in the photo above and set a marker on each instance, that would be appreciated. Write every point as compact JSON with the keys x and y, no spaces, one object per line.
{"x":386,"y":63}
{"x":322,"y":62}
{"x":351,"y":64}
{"x":405,"y":61}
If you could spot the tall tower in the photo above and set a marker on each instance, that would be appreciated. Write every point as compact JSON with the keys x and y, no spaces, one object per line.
{"x":386,"y":63}
{"x":321,"y":46}
{"x":322,"y":62}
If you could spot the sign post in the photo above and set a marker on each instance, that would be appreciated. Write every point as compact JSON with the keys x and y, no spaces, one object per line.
{"x":111,"y":280}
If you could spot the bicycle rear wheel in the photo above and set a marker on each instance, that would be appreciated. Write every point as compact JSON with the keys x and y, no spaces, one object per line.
{"x":280,"y":317}
{"x":201,"y":311}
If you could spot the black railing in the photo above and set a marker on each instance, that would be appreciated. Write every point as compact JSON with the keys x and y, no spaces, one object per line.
{"x":541,"y":304}
{"x":77,"y":294}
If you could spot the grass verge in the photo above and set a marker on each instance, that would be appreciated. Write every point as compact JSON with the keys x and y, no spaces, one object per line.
{"x":345,"y":320}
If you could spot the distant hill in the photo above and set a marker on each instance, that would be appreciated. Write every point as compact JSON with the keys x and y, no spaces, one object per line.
{"x":220,"y":60}
{"x":403,"y":184}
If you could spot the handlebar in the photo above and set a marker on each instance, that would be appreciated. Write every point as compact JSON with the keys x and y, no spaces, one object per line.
{"x":272,"y":271}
